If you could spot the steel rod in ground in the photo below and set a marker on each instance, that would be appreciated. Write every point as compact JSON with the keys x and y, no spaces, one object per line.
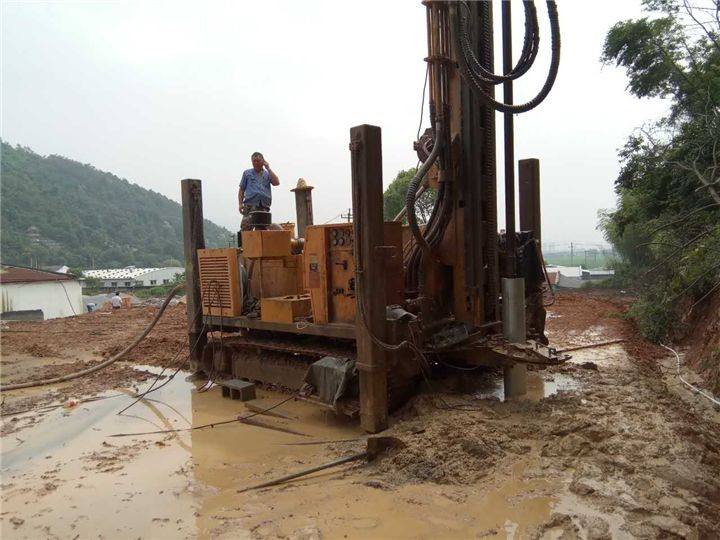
{"x":591,"y":345}
{"x":305,"y":472}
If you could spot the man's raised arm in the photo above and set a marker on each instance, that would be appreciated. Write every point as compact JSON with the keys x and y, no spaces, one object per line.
{"x":274,"y":180}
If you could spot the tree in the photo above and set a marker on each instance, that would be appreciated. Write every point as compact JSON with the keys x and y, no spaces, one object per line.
{"x":59,"y":211}
{"x":394,"y":197}
{"x":667,"y":223}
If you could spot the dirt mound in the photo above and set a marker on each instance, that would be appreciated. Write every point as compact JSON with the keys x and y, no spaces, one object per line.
{"x":458,"y":453}
{"x":102,"y":334}
{"x":468,"y":440}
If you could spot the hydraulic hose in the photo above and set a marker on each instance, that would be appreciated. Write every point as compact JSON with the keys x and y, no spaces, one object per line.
{"x":531,"y":42}
{"x":476,"y":82}
{"x":104,"y":364}
{"x":415,"y":184}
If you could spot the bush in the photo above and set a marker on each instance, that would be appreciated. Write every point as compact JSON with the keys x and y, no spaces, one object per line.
{"x":652,"y":318}
{"x":160,"y":291}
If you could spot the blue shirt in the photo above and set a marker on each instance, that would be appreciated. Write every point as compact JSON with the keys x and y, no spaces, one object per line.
{"x":256,"y":188}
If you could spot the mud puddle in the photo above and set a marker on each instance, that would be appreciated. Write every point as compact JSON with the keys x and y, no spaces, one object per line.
{"x":539,"y":386}
{"x":67,"y":477}
{"x":489,"y":385}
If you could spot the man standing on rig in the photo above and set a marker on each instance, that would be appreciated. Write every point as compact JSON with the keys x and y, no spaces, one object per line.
{"x":255,"y":189}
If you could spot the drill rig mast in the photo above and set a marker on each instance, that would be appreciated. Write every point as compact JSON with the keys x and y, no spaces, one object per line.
{"x":374,"y":305}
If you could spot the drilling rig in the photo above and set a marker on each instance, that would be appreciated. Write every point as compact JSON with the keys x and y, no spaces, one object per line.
{"x":356,"y":316}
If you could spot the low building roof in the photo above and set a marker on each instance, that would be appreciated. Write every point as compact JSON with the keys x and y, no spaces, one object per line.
{"x":569,"y":271}
{"x":129,"y":272}
{"x":599,"y":272}
{"x":22,"y":274}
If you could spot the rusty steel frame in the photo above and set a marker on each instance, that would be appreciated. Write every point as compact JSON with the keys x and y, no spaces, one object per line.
{"x":193,"y":240}
{"x":371,"y":301}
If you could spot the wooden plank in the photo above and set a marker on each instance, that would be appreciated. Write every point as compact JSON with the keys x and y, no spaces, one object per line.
{"x":367,"y":189}
{"x":193,"y":239}
{"x":334,"y":330}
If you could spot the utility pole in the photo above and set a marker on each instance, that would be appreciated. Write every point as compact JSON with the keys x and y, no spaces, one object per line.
{"x":571,"y":253}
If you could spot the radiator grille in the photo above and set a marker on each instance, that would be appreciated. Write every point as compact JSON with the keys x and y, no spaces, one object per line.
{"x":220,"y":288}
{"x":215,"y":282}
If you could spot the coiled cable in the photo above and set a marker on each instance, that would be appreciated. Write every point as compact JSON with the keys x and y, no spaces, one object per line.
{"x":477,"y":80}
{"x":531,"y":42}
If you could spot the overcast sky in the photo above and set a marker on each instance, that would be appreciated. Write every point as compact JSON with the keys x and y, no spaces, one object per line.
{"x":159,"y":91}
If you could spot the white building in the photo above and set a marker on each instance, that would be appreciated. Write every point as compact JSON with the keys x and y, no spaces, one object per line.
{"x":131,"y":277}
{"x":27,"y":293}
{"x":597,"y":275}
{"x":566,"y":276}
{"x":574,"y":277}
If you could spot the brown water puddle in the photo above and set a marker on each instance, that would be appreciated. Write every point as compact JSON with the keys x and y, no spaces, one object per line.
{"x":539,"y":386}
{"x":66,"y":477}
{"x":607,"y":356}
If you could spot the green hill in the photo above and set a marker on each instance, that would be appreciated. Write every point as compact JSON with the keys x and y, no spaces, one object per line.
{"x":57,"y":211}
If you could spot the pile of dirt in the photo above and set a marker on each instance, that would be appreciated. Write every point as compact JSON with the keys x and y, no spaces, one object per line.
{"x":102,"y":334}
{"x":651,"y":466}
{"x":459,"y":454}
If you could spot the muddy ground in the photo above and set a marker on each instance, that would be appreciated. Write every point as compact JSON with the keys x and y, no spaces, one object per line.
{"x":608,"y":445}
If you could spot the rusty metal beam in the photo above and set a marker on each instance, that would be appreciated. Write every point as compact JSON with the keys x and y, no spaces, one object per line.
{"x":529,"y":193}
{"x":367,"y":188}
{"x":333,"y":330}
{"x":193,"y":239}
{"x":509,"y":136}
